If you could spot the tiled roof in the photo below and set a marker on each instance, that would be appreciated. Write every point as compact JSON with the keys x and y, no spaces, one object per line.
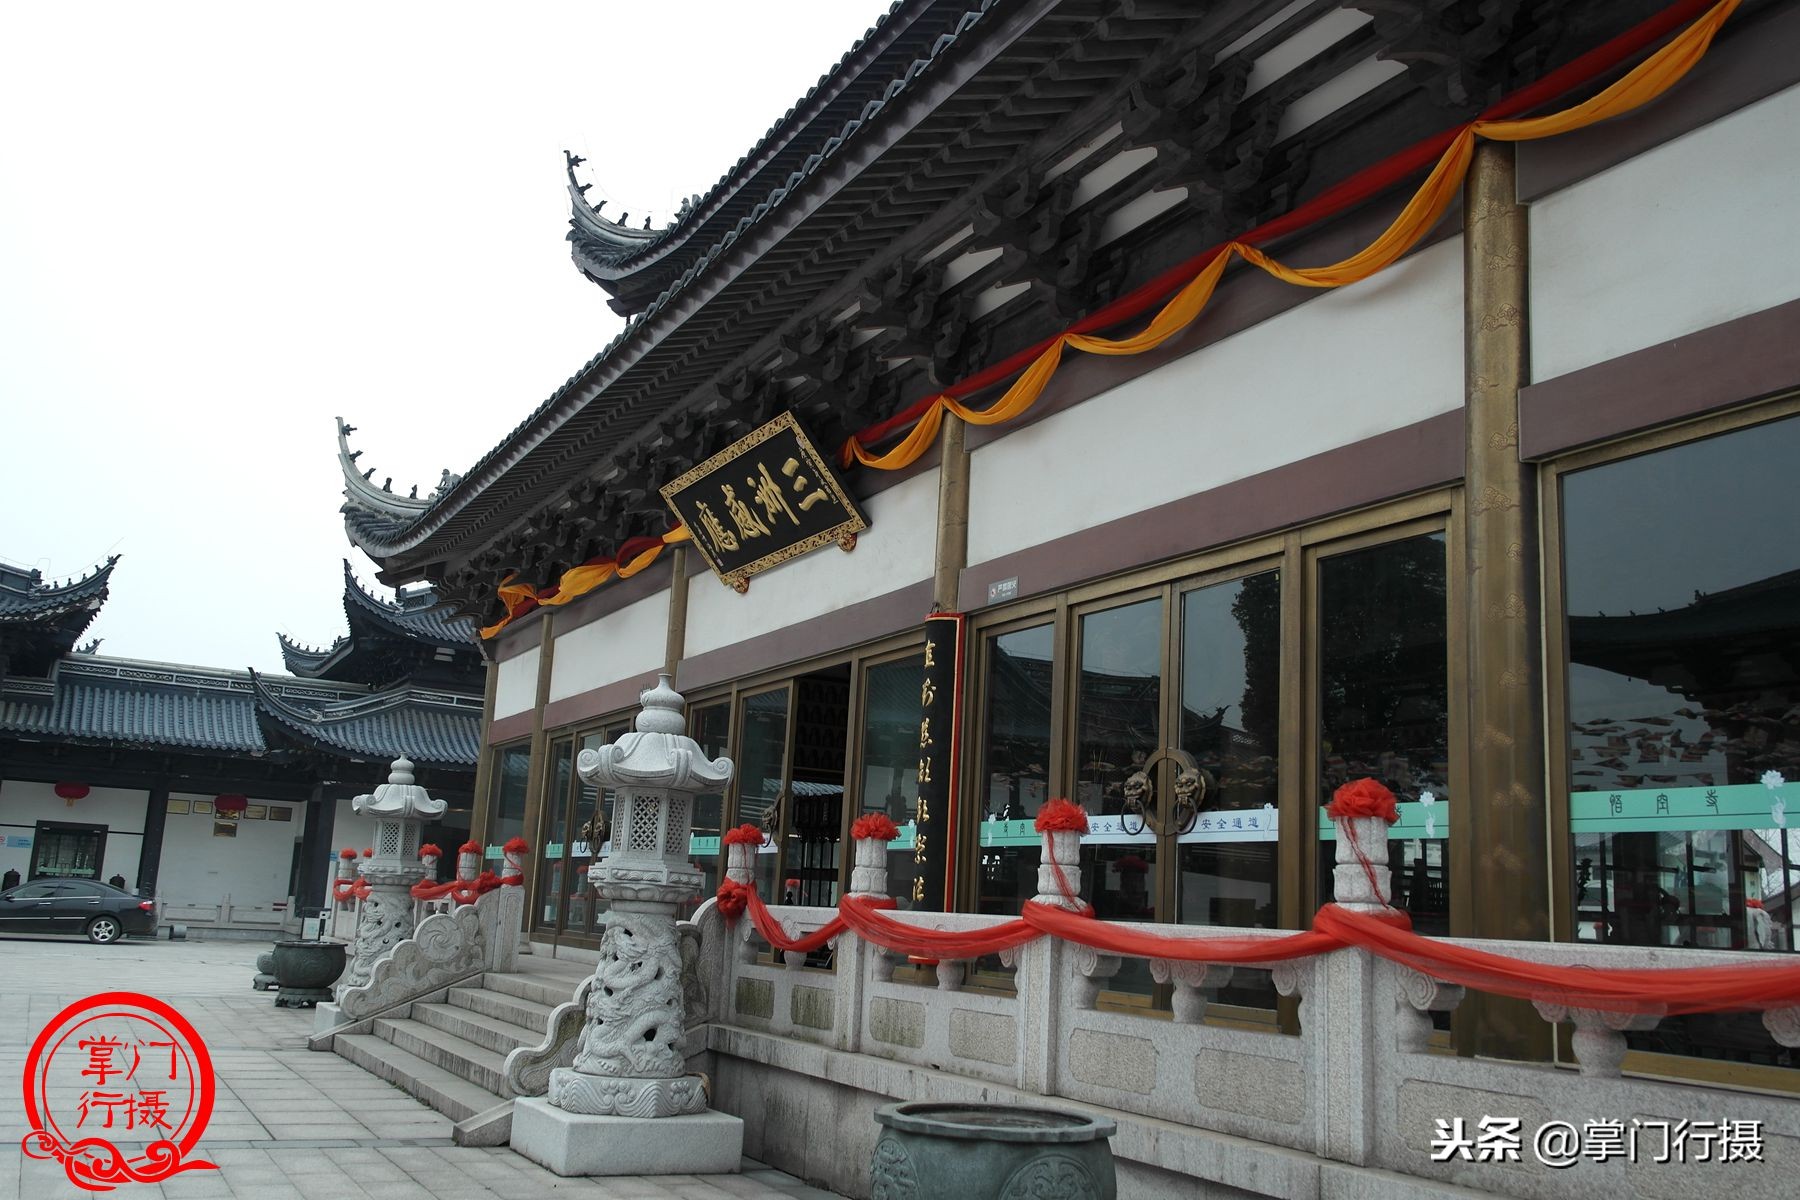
{"x":308,"y":661}
{"x":124,"y":702}
{"x":431,"y":728}
{"x":26,"y":598}
{"x":414,"y":615}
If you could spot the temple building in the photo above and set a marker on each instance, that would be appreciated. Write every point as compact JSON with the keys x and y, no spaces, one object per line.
{"x":1099,"y":399}
{"x":224,"y":794}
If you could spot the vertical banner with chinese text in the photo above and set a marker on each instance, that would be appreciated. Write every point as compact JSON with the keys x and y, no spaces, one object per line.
{"x":940,"y":745}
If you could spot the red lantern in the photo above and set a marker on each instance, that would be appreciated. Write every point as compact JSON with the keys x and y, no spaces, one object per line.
{"x":230,"y":804}
{"x":71,"y":792}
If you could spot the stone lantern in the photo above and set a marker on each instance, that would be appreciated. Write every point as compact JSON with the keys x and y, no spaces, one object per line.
{"x":630,"y":1061}
{"x":400,"y":808}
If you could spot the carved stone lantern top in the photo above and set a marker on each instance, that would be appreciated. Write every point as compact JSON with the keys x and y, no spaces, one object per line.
{"x":658,"y":753}
{"x":399,"y":798}
{"x":655,"y":772}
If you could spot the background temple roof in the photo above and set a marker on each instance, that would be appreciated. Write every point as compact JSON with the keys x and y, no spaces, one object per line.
{"x":96,"y":700}
{"x":408,"y":638}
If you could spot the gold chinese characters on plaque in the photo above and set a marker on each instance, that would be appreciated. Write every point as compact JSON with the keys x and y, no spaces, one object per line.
{"x":768,"y":497}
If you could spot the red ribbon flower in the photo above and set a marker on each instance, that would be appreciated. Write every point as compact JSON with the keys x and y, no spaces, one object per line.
{"x":744,"y":835}
{"x":734,"y":897}
{"x":1059,"y":815}
{"x":1363,"y":798}
{"x":875,"y":826}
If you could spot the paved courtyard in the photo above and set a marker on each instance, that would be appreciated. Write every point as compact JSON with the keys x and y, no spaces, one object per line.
{"x":289,"y":1124}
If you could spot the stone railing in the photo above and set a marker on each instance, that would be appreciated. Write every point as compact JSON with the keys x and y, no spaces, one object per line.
{"x":1359,"y":1086}
{"x":445,"y":948}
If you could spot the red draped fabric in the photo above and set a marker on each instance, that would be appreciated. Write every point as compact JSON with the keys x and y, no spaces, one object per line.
{"x":1662,"y":990}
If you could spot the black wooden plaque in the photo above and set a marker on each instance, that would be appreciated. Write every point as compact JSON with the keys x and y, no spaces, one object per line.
{"x":768,"y":497}
{"x":940,"y":732}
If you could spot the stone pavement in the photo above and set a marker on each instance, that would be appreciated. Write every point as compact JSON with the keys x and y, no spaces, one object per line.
{"x":288,"y":1123}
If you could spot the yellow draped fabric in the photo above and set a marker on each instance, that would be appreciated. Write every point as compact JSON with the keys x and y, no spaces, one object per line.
{"x":577,"y":582}
{"x":1644,"y":83}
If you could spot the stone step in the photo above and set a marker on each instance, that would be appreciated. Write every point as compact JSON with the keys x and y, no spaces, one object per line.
{"x":444,"y":1091}
{"x":477,"y":1064}
{"x":542,"y":989}
{"x":491,"y":1033}
{"x":515,"y":1010}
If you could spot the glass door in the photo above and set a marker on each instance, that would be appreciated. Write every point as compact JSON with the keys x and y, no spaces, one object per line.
{"x":1225,"y":846}
{"x":1119,"y":727}
{"x":572,"y":832}
{"x":762,"y":779}
{"x":590,"y":834}
{"x":553,"y":836}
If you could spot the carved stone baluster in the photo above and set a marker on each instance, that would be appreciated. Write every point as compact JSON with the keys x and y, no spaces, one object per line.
{"x":950,"y":975}
{"x":1293,"y":978}
{"x":1599,"y":1036}
{"x":1191,"y":980}
{"x":1783,"y":1025}
{"x":1420,"y":996}
{"x":1092,"y":972}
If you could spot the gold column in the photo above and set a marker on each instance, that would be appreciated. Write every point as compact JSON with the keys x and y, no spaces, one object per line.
{"x":1503,"y":817}
{"x":953,"y":517}
{"x":482,"y":811}
{"x":675,"y":648}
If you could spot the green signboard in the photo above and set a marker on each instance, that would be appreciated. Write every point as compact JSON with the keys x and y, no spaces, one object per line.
{"x":1418,"y":822}
{"x":1650,"y":810}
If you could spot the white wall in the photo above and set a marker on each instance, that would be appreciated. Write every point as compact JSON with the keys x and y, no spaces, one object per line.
{"x":515,"y":690}
{"x":121,"y":810}
{"x":1695,"y":232}
{"x":622,"y":644}
{"x":896,"y":550}
{"x":1356,"y":362}
{"x":201,"y":870}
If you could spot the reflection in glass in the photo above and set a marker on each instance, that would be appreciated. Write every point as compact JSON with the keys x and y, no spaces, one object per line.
{"x":810,"y":862}
{"x":890,"y":756}
{"x":1230,"y":710}
{"x":1682,"y":586}
{"x":512,"y":773}
{"x":591,"y":836}
{"x":1015,"y":758}
{"x":1384,"y":690}
{"x":1118,"y":728}
{"x":761,"y":767}
{"x":710,"y":726}
{"x":554,"y":840}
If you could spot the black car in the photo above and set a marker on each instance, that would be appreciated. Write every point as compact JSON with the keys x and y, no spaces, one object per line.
{"x":101,"y":911}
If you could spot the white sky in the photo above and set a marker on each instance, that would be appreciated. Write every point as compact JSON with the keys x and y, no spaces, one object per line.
{"x":221,"y":225}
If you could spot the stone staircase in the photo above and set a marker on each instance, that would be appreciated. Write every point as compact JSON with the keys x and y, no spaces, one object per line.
{"x":451,"y":1054}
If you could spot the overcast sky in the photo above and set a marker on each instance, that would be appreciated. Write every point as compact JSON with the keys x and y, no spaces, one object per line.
{"x":221,"y":225}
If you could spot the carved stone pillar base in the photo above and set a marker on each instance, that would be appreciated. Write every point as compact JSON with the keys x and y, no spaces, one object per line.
{"x":574,"y":1144}
{"x":619,"y":1096}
